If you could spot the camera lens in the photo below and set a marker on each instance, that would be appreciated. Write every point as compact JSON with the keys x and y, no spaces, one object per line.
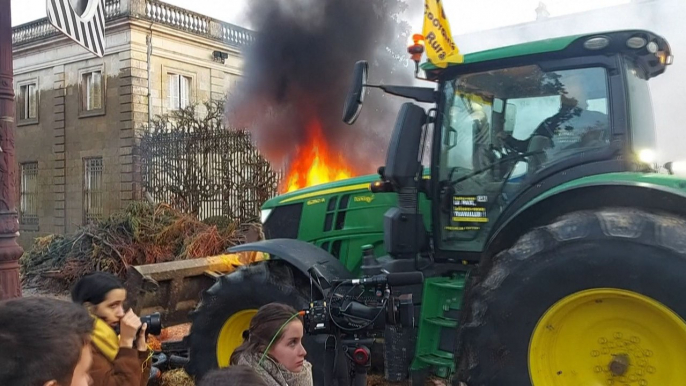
{"x":154,"y":322}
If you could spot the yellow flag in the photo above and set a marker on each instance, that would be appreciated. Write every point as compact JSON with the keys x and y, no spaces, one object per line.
{"x":440,"y":47}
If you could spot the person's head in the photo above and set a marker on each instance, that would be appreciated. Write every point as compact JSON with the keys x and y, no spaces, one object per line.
{"x":287,"y":348}
{"x":575,"y":93}
{"x":44,"y":342}
{"x":103,"y":294}
{"x":236,"y":375}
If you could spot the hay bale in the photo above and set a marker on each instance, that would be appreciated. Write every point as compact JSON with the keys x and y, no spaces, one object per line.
{"x":176,"y":377}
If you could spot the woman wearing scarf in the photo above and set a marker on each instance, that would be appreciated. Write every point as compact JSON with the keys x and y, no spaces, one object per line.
{"x":274,"y":348}
{"x":118,"y":360}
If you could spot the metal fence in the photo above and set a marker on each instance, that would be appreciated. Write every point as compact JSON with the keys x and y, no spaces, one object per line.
{"x":209,"y":173}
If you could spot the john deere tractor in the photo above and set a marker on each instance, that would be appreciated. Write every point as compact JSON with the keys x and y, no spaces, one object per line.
{"x":551,"y":252}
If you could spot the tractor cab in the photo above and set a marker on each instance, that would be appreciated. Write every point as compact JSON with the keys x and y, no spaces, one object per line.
{"x":511,"y":123}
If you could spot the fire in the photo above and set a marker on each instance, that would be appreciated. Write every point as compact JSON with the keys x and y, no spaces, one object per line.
{"x":315,"y":163}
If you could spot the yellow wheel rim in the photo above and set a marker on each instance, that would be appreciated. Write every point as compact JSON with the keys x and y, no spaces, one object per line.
{"x":231,"y":335}
{"x":608,"y":336}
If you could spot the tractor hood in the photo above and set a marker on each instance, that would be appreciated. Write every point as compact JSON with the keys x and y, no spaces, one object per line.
{"x":317,"y":192}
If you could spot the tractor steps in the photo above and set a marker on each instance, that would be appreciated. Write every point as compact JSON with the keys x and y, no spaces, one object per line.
{"x":436,"y":360}
{"x":443,"y":322}
{"x":438,"y":324}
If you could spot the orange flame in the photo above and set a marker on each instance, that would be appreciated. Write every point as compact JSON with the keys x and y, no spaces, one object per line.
{"x":315,"y":163}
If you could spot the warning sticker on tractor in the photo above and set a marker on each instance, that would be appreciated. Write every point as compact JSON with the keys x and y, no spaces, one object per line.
{"x":470,"y":209}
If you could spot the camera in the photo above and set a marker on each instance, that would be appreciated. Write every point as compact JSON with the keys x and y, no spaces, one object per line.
{"x":154,"y":322}
{"x":367,"y":305}
{"x":361,"y":313}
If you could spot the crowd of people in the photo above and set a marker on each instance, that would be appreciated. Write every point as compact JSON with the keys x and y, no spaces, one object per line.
{"x":94,"y":341}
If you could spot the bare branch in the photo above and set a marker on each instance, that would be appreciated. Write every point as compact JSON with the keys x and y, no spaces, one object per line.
{"x":191,"y":161}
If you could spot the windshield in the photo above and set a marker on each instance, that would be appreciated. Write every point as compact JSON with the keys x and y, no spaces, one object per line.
{"x":501,"y":127}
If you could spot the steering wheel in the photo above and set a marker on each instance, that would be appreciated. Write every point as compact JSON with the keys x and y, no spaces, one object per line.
{"x":509,"y":158}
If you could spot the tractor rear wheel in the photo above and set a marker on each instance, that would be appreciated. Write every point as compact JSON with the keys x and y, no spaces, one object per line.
{"x":226,"y":308}
{"x":592,"y":299}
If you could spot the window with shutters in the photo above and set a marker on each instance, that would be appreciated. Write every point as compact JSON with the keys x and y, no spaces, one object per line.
{"x":28,"y":195}
{"x":27,"y":102}
{"x":92,"y":190}
{"x":179,"y":93}
{"x":92,"y":91}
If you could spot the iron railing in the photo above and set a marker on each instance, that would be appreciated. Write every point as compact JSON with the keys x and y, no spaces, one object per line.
{"x":28,"y":194}
{"x":208,"y":173}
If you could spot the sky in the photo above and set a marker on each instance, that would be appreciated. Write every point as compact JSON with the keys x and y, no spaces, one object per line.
{"x":464,"y":16}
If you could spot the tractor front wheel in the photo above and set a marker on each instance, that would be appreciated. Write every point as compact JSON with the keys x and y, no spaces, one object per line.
{"x":226,"y":308}
{"x":592,"y":299}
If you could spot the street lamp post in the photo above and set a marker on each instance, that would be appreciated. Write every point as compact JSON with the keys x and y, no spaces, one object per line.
{"x":10,"y":251}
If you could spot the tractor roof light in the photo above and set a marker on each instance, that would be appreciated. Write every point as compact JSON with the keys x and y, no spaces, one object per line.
{"x":597,"y":43}
{"x":636,"y":42}
{"x":665,"y":58}
{"x":652,"y":47}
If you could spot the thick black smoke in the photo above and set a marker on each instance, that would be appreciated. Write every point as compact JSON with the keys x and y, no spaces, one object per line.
{"x":300,"y":68}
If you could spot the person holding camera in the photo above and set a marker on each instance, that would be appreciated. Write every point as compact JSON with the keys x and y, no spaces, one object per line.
{"x":122,"y":360}
{"x":273,"y":347}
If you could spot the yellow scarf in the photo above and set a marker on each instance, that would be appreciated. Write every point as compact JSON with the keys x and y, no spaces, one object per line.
{"x":105,"y":339}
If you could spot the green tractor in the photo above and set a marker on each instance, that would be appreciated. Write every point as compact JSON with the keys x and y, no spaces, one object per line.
{"x":551,"y":251}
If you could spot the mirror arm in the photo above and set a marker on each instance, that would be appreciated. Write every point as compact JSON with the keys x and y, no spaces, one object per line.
{"x":420,"y":94}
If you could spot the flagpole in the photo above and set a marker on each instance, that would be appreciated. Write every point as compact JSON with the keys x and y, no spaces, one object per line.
{"x":10,"y":251}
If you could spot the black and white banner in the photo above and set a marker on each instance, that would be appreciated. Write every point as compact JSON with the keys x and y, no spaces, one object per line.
{"x":81,"y":20}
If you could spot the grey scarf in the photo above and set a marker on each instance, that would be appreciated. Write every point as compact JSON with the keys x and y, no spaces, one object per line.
{"x":274,"y":374}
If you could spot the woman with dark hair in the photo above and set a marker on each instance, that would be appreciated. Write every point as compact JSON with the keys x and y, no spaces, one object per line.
{"x":236,"y":375}
{"x":273,"y":347}
{"x":122,"y":360}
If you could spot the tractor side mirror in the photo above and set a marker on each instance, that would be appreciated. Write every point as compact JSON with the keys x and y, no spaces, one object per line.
{"x":402,"y":160}
{"x":510,"y":118}
{"x":355,"y":98}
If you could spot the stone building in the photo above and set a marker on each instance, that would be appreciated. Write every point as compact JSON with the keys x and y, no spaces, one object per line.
{"x":78,"y":116}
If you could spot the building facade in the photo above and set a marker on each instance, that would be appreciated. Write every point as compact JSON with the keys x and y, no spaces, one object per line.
{"x":79,"y":116}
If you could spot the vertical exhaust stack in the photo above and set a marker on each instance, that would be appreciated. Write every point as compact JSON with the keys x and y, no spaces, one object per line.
{"x":298,"y":71}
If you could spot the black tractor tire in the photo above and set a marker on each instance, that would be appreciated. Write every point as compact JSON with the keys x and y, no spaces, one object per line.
{"x":617,"y":248}
{"x":249,"y":288}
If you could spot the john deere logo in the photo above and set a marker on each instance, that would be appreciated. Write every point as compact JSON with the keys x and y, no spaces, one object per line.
{"x":315,"y":201}
{"x":367,"y":199}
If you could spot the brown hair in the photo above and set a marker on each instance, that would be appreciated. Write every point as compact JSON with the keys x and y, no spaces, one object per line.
{"x":41,"y":340}
{"x":263,"y":326}
{"x":238,"y":375}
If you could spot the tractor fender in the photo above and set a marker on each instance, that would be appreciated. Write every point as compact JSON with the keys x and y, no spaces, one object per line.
{"x":303,"y":257}
{"x":650,"y":196}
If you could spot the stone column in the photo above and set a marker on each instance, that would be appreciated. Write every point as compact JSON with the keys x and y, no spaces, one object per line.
{"x":10,"y":251}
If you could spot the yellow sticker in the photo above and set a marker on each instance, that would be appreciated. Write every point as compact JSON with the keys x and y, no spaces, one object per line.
{"x":367,"y":199}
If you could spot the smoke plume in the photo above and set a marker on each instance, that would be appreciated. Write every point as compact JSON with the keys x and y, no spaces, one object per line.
{"x":300,"y":67}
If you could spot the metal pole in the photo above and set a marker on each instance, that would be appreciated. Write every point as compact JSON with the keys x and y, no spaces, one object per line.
{"x":10,"y":251}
